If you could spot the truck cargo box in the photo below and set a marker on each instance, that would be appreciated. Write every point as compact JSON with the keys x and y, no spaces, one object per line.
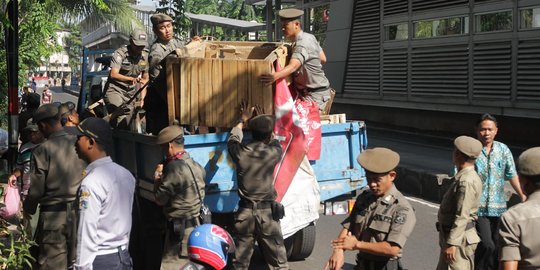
{"x":208,"y":80}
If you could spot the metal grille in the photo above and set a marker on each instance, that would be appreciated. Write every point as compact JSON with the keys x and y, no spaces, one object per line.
{"x":393,"y":7}
{"x":528,"y":70}
{"x":395,"y":72}
{"x":492,"y":70}
{"x":440,"y":71}
{"x":420,"y":5}
{"x":362,"y":74}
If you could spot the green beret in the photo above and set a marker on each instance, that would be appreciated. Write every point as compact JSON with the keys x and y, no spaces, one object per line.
{"x":44,"y":112}
{"x":469,"y":146}
{"x":262,"y":123}
{"x":290,"y":13}
{"x":378,"y":160}
{"x":139,"y":37}
{"x":159,"y":18}
{"x":169,"y":133}
{"x":31,"y":126}
{"x":529,"y":162}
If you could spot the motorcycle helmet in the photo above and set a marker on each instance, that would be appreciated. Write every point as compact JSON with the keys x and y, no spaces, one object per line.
{"x":210,"y":244}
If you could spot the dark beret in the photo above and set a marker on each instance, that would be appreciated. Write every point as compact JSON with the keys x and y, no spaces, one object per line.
{"x":159,"y":18}
{"x":378,"y":160}
{"x":169,"y":133}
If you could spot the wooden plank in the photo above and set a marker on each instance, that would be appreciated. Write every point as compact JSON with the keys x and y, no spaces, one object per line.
{"x":194,"y":92}
{"x":217,"y":92}
{"x":204,"y":89}
{"x":268,"y":90}
{"x":184,"y":91}
{"x":177,"y":81}
{"x":243,"y":81}
{"x":170,"y":91}
{"x":255,"y":84}
{"x":229,"y":92}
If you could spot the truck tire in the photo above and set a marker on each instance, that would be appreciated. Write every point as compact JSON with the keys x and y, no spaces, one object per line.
{"x":301,"y":243}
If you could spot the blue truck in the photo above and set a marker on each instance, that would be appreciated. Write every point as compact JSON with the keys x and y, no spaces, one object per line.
{"x":336,"y":173}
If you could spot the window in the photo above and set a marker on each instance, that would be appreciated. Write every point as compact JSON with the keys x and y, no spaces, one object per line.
{"x":530,"y":18}
{"x":397,"y":31}
{"x":491,"y":22}
{"x":441,"y":27}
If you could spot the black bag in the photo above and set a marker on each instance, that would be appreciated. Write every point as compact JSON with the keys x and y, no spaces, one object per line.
{"x":278,"y":211}
{"x":205,"y":215}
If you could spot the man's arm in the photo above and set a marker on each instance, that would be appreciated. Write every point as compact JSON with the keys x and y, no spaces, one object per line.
{"x":164,"y":188}
{"x":349,"y":242}
{"x":115,"y":74}
{"x":322,"y":56}
{"x":293,"y":66}
{"x":37,"y":175}
{"x":89,"y":210}
{"x":517,"y":187}
{"x":509,"y":265}
{"x":337,"y":260}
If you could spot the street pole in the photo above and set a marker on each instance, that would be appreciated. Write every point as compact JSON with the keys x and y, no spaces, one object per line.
{"x":12,"y":38}
{"x":269,"y":28}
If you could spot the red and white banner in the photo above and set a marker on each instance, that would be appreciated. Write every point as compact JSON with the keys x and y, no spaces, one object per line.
{"x":291,"y":136}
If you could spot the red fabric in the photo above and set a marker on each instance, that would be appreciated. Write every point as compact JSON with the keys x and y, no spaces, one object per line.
{"x":310,"y":121}
{"x":290,"y":135}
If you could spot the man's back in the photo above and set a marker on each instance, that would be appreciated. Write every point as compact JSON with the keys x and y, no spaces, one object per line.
{"x":56,"y":172}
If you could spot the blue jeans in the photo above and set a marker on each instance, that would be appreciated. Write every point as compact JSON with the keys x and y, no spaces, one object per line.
{"x":115,"y":261}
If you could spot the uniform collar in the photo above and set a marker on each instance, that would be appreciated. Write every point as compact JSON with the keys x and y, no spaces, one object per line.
{"x":299,"y":36}
{"x":390,"y":196}
{"x":463,"y":171}
{"x":59,"y":133}
{"x":97,"y":163}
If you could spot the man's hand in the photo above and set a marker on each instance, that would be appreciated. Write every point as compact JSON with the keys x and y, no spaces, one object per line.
{"x":12,"y":181}
{"x":158,"y":172}
{"x":268,"y":79}
{"x":245,"y":112}
{"x":346,"y":243}
{"x":450,"y":253}
{"x":336,"y":261}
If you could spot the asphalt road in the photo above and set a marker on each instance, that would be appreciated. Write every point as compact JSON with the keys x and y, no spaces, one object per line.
{"x":59,"y":95}
{"x":421,"y":251}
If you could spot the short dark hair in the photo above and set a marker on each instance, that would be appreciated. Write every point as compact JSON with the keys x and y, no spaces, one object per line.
{"x":486,"y":116}
{"x":261,"y":136}
{"x":465,"y":157}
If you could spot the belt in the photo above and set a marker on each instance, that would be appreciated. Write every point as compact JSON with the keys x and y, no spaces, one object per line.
{"x":111,"y":250}
{"x":439,"y":227}
{"x":59,"y":207}
{"x":319,"y":89}
{"x":258,"y":205}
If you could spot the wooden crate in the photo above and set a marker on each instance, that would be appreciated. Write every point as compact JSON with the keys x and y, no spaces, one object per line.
{"x":205,"y":89}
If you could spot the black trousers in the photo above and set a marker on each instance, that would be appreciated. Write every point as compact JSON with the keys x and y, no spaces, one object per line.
{"x":486,"y":256}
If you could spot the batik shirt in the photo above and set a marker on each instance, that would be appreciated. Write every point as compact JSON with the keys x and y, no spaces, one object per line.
{"x":494,"y":168}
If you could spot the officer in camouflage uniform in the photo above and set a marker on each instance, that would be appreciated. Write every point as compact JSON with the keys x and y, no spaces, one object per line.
{"x":518,"y":242}
{"x":156,"y":99}
{"x":55,"y":173}
{"x":458,"y":211}
{"x":178,"y":190}
{"x":381,"y":221}
{"x":129,"y":66}
{"x":256,"y":219}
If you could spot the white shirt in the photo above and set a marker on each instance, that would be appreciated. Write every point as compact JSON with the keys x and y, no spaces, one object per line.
{"x":105,"y":203}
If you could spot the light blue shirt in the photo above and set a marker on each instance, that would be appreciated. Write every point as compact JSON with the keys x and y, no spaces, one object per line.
{"x":494,"y":168}
{"x":106,"y":199}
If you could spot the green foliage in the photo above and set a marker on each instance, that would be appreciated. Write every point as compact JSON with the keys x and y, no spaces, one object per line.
{"x":73,"y":45}
{"x":15,"y":252}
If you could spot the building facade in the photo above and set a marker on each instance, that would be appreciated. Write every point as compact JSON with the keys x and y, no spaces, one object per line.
{"x":436,"y":65}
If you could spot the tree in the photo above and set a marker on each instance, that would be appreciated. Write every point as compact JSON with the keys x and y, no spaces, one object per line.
{"x":176,"y":9}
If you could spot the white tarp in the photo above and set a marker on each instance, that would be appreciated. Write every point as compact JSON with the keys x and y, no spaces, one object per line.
{"x":302,"y":200}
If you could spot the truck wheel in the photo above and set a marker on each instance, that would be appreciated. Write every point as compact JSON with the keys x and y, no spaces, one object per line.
{"x":302,"y":243}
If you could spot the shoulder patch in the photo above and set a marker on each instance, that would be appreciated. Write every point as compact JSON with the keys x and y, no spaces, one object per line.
{"x":400,"y":218}
{"x":83,"y":199}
